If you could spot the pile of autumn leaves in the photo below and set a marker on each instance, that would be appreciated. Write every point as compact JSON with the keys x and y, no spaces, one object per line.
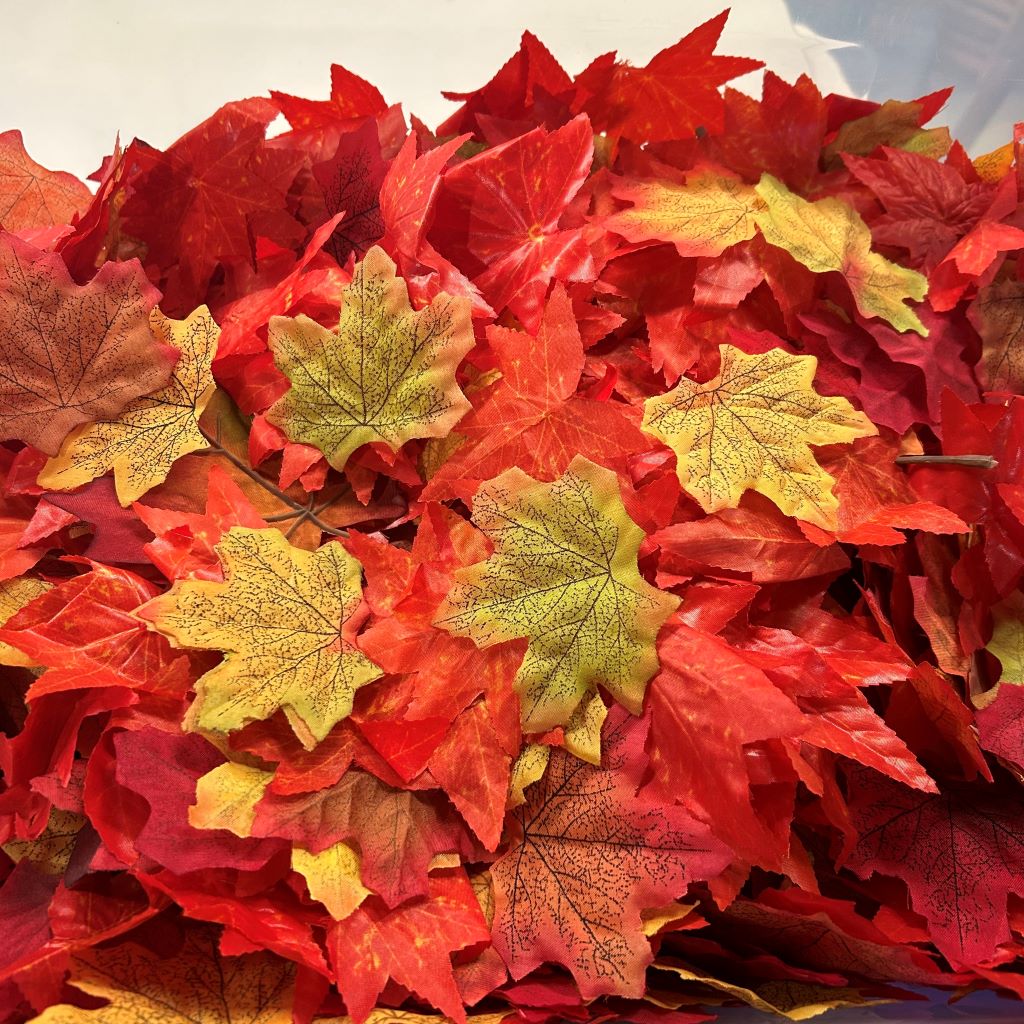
{"x":500,"y":570}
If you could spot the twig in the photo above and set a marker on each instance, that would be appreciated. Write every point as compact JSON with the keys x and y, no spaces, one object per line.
{"x":302,"y":512}
{"x":970,"y":461}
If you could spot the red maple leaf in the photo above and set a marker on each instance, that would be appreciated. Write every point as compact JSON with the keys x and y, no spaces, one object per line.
{"x":533,"y":418}
{"x":199,"y":203}
{"x":960,"y":852}
{"x":675,"y":94}
{"x":374,"y":944}
{"x":497,"y":217}
{"x":588,"y":854}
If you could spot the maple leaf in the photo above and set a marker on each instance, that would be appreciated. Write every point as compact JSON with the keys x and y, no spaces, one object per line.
{"x":703,"y":217}
{"x":282,"y":619}
{"x":751,"y":428}
{"x":146,"y":438}
{"x":753,"y":540}
{"x":410,"y":944}
{"x":332,"y":877}
{"x":398,"y":831}
{"x":998,"y":316}
{"x":589,"y":854}
{"x":532,"y":418}
{"x":351,"y":182}
{"x":960,"y":852}
{"x":14,"y":595}
{"x":928,"y":204}
{"x":564,"y":575}
{"x":71,"y":353}
{"x":524,"y":83}
{"x":84,"y":632}
{"x":387,"y":374}
{"x":30,"y":195}
{"x":829,"y":235}
{"x":513,"y":248}
{"x":193,"y":205}
{"x":707,"y":703}
{"x":670,"y":98}
{"x":195,"y":986}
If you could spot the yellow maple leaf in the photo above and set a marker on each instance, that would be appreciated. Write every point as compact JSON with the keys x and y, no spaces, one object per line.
{"x":195,"y":986}
{"x":564,"y":575}
{"x":151,"y":433}
{"x":701,"y":218}
{"x":51,"y":850}
{"x":332,"y":877}
{"x":387,"y":373}
{"x":794,"y":1000}
{"x":280,"y":618}
{"x":226,"y":797}
{"x":829,"y":235}
{"x":750,"y":429}
{"x":14,"y":595}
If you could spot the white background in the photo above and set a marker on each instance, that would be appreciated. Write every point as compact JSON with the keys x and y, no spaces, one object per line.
{"x":73,"y":73}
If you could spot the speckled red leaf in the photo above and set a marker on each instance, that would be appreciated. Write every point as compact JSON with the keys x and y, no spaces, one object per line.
{"x":960,"y":852}
{"x":587,"y":855}
{"x":398,"y":831}
{"x":30,"y":195}
{"x":71,"y":353}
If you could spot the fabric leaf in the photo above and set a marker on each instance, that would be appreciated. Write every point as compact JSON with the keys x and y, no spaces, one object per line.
{"x":589,"y":854}
{"x":151,"y":433}
{"x":71,"y":353}
{"x":701,"y":218}
{"x":195,"y":986}
{"x":387,"y":374}
{"x":829,"y":235}
{"x":281,"y":618}
{"x":751,"y":428}
{"x":563,"y":575}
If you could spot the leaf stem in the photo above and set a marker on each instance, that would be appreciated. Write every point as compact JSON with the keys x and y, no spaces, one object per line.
{"x":970,"y":461}
{"x":299,"y":511}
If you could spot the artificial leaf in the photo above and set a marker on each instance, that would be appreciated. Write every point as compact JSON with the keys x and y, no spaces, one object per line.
{"x":829,"y":235}
{"x":398,"y":831}
{"x":711,"y":212}
{"x":373,"y":944}
{"x":14,"y":595}
{"x":513,"y":249}
{"x":150,"y":433}
{"x":564,"y":575}
{"x":589,"y":854}
{"x":192,"y":205}
{"x":675,"y":95}
{"x":71,"y":353}
{"x":30,"y":195}
{"x":351,"y":182}
{"x":387,"y":374}
{"x":998,"y":315}
{"x":532,"y":418}
{"x":751,"y":428}
{"x":195,"y":985}
{"x":707,"y":703}
{"x":960,"y":854}
{"x":226,"y":797}
{"x":83,"y":630}
{"x":332,"y":876}
{"x":281,"y":617}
